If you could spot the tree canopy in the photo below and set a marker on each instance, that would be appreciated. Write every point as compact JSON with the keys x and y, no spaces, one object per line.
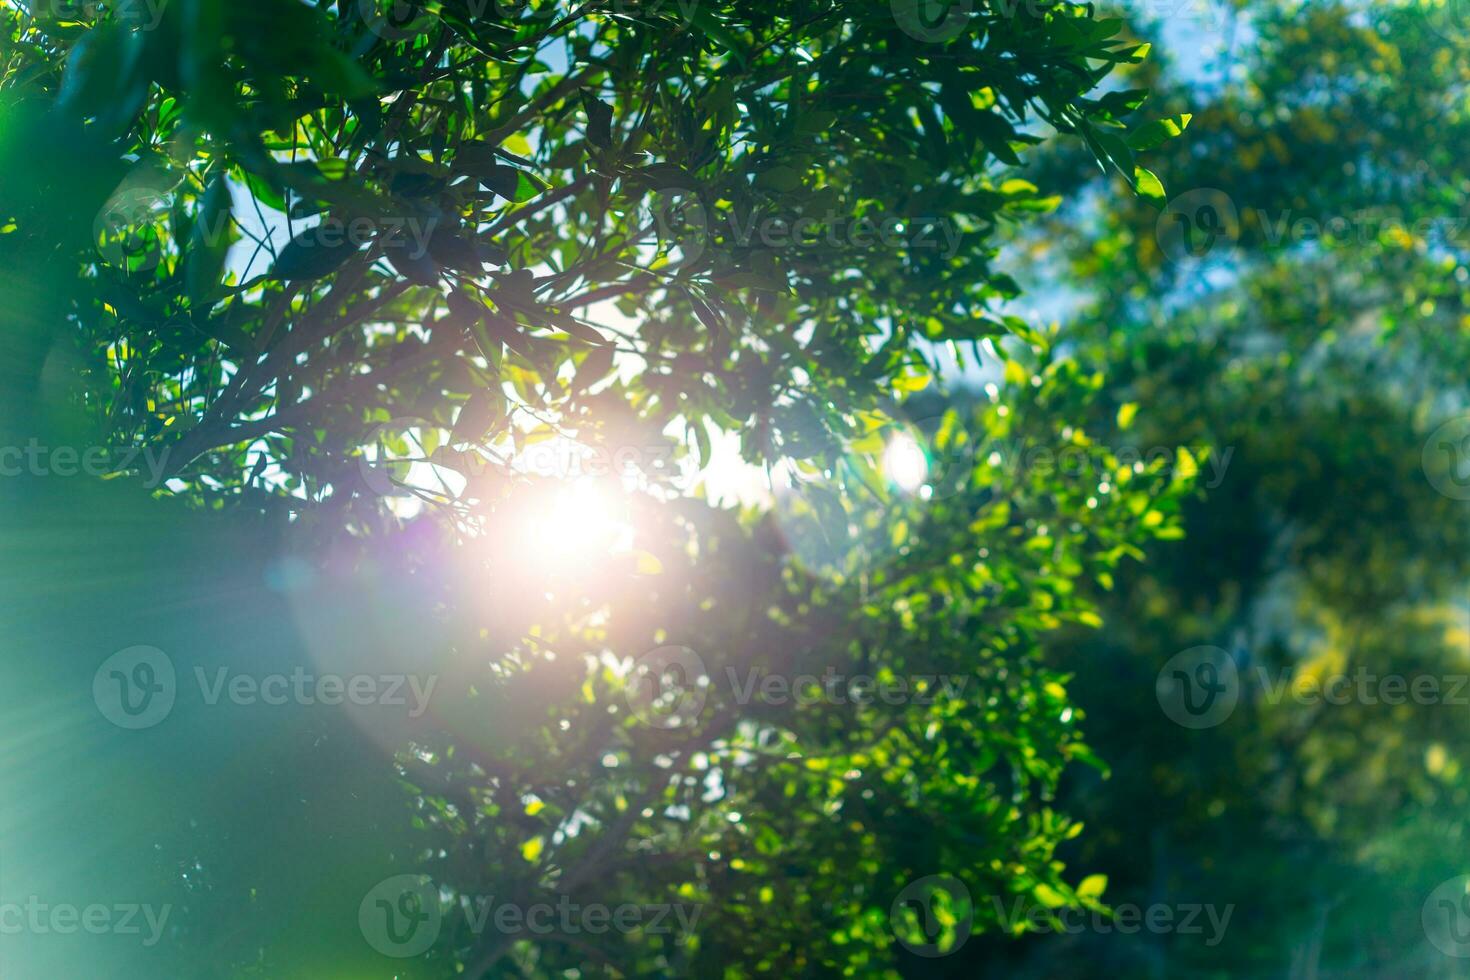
{"x":321,"y":276}
{"x":624,"y":220}
{"x":382,"y":390}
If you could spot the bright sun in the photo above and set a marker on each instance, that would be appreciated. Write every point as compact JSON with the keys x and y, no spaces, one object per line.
{"x":905,"y":464}
{"x":575,"y":525}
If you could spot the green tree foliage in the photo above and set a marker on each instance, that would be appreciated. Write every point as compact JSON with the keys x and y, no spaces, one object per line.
{"x":500,"y":199}
{"x":1313,"y":329}
{"x":249,"y":240}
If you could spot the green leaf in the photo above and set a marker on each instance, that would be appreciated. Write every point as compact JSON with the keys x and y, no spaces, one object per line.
{"x":1152,"y":133}
{"x":594,"y":367}
{"x":263,"y":191}
{"x":1123,"y":102}
{"x":599,"y":122}
{"x":703,"y":17}
{"x":452,"y":250}
{"x":511,"y":183}
{"x":1049,"y":896}
{"x":338,"y":73}
{"x":416,"y":184}
{"x":479,"y":416}
{"x":1148,"y":185}
{"x":491,"y":330}
{"x":311,"y":255}
{"x":576,"y":328}
{"x":784,"y":179}
{"x":209,"y":244}
{"x":528,"y":185}
{"x":1117,"y":151}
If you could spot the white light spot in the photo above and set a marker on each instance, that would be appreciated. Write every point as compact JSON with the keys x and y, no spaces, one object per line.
{"x":905,"y":464}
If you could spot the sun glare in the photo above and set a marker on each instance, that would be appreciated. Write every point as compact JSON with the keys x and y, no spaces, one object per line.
{"x":905,"y":464}
{"x":575,"y":526}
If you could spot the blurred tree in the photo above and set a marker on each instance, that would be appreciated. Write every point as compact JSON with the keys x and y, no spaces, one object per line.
{"x":1299,"y":305}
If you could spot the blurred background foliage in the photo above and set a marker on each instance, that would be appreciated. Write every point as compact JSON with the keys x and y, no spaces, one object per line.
{"x":1316,"y":344}
{"x":1280,"y":386}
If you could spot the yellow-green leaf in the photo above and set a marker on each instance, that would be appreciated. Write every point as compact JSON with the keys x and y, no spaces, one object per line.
{"x":1148,"y":185}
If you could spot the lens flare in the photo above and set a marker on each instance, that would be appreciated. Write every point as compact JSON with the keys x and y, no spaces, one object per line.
{"x":575,"y":526}
{"x":905,"y":464}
